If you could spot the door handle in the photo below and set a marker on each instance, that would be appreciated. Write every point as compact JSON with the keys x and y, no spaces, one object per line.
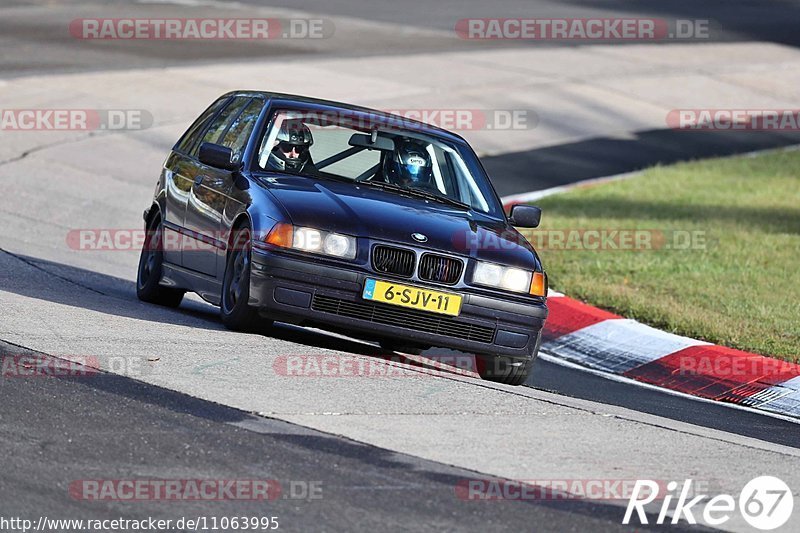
{"x":198,"y":180}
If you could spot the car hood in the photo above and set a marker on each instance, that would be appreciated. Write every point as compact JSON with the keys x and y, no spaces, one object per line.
{"x":365,"y":211}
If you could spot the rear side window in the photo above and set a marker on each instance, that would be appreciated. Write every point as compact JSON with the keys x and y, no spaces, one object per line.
{"x":222,"y":121}
{"x":242,"y":127}
{"x":189,"y":138}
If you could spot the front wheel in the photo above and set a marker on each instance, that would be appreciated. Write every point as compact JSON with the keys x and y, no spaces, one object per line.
{"x":148,"y":288}
{"x":234,"y":309}
{"x":502,"y":369}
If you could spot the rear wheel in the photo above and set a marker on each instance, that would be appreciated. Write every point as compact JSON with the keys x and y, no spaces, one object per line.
{"x":148,"y":276}
{"x":234,"y":309}
{"x":504,"y":369}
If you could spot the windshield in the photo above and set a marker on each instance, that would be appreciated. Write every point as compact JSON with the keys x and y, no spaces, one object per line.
{"x":380,"y":154}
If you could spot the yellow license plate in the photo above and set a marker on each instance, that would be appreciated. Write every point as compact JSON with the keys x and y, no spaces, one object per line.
{"x":413,"y":297}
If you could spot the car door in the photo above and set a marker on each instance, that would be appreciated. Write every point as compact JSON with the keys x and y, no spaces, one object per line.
{"x":211,"y":187}
{"x":178,"y":179}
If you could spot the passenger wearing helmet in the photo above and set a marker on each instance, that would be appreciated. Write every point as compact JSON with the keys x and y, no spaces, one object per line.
{"x":409,"y":165}
{"x":291,"y":149}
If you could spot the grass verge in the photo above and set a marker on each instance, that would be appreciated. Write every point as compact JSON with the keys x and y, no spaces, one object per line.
{"x":714,"y":249}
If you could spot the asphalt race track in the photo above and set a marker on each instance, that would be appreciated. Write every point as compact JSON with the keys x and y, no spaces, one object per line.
{"x":385,"y":452}
{"x":363,"y":485}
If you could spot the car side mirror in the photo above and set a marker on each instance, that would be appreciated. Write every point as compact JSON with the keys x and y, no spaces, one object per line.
{"x":525,"y":216}
{"x":217,"y":156}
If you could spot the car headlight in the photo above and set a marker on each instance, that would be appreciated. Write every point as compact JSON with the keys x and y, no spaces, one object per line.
{"x":313,"y":240}
{"x":510,"y":278}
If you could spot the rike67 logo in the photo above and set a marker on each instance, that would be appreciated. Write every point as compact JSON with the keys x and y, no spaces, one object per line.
{"x":765,"y":502}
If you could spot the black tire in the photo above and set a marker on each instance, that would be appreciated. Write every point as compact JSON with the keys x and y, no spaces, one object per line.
{"x":234,"y":309}
{"x":504,"y":369}
{"x":151,"y":260}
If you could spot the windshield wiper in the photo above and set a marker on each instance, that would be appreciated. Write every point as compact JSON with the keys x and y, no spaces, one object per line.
{"x":438,"y":198}
{"x":417,"y":193}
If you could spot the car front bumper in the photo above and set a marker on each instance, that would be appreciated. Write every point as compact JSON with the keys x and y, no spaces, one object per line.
{"x":292,"y":289}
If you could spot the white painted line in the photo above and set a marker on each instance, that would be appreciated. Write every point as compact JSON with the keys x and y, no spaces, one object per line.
{"x":532,"y":196}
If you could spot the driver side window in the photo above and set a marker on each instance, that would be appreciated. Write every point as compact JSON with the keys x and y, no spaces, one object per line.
{"x":189,"y":139}
{"x":242,"y":127}
{"x":221,"y":122}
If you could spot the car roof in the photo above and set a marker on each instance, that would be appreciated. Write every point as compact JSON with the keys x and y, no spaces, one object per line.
{"x":422,"y":127}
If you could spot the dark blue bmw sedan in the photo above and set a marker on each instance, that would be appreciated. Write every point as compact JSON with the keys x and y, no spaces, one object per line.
{"x":284,"y":208}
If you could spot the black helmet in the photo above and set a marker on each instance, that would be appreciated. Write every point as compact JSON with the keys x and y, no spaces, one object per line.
{"x":293,"y":137}
{"x":409,"y":164}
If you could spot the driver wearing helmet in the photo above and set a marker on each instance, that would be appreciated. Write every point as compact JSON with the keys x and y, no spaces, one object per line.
{"x":409,"y":165}
{"x":291,"y":149}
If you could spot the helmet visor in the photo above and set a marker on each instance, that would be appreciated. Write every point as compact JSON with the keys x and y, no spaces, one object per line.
{"x":287,"y":148}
